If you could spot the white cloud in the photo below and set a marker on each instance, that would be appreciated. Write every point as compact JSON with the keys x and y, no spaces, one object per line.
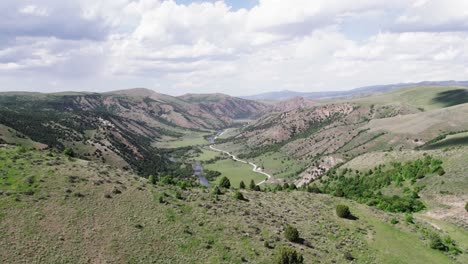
{"x":209,"y":47}
{"x":34,"y":10}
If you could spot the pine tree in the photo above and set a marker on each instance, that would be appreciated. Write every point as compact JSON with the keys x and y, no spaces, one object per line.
{"x":252,"y":185}
{"x":242,"y":185}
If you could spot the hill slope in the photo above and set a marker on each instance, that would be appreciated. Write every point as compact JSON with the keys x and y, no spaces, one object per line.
{"x":58,"y":210}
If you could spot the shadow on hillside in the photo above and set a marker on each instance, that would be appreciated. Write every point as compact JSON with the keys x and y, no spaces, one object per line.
{"x":352,"y":217}
{"x":449,"y":143}
{"x":452,"y":97}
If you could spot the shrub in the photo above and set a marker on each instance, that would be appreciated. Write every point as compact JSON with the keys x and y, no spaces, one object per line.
{"x":69,"y":152}
{"x":313,"y":188}
{"x":238,"y":195}
{"x":288,"y":256}
{"x":436,"y":242}
{"x":178,"y":195}
{"x":151,"y":179}
{"x":285,"y":186}
{"x":225,"y":183}
{"x":216,"y":190}
{"x":409,"y":219}
{"x":161,"y":199}
{"x":339,"y":193}
{"x":242,"y":185}
{"x":343,"y":211}
{"x":291,"y":233}
{"x":348,"y":256}
{"x":252,"y":185}
{"x":166,"y":180}
{"x":440,"y":171}
{"x":466,"y":207}
{"x":394,"y":221}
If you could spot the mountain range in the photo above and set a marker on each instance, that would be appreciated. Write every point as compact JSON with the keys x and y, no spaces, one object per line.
{"x":283,"y":95}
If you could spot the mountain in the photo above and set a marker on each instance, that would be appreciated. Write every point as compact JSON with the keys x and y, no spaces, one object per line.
{"x":282,"y":95}
{"x":120,"y":128}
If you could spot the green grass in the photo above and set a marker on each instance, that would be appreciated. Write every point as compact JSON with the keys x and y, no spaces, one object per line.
{"x":236,"y":172}
{"x":188,"y":139}
{"x":398,"y":246}
{"x":207,"y":155}
{"x":278,"y":164}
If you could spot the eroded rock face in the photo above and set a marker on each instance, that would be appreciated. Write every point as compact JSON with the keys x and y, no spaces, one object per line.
{"x":280,"y":127}
{"x":315,"y":172}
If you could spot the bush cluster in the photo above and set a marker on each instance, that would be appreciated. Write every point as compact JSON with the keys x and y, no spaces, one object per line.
{"x":365,"y":187}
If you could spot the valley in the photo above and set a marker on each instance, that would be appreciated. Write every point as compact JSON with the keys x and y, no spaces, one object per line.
{"x":134,"y":176}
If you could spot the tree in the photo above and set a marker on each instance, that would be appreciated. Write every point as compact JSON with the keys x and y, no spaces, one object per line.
{"x":285,"y":186}
{"x":225,"y":183}
{"x":257,"y":188}
{"x":343,"y":211}
{"x":242,"y":185}
{"x":466,"y":207}
{"x":151,"y":179}
{"x":292,"y":186}
{"x":252,"y":185}
{"x":287,"y":255}
{"x":291,"y":233}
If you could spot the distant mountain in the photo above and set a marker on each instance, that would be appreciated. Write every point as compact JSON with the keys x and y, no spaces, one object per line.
{"x":282,"y":95}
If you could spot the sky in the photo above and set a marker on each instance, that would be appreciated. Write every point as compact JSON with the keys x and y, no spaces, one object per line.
{"x":238,"y":47}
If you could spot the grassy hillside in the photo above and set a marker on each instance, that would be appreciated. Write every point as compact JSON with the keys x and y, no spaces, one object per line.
{"x":54,"y":210}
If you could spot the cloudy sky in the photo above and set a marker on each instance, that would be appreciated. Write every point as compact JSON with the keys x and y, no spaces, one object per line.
{"x":239,"y":47}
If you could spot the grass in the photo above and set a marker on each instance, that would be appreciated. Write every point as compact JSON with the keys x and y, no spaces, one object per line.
{"x":133,"y":227}
{"x":235,"y":171}
{"x":11,"y":136}
{"x":425,"y":97}
{"x":450,"y":141}
{"x":207,"y":155}
{"x":398,"y":246}
{"x":278,"y":164}
{"x":188,"y":139}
